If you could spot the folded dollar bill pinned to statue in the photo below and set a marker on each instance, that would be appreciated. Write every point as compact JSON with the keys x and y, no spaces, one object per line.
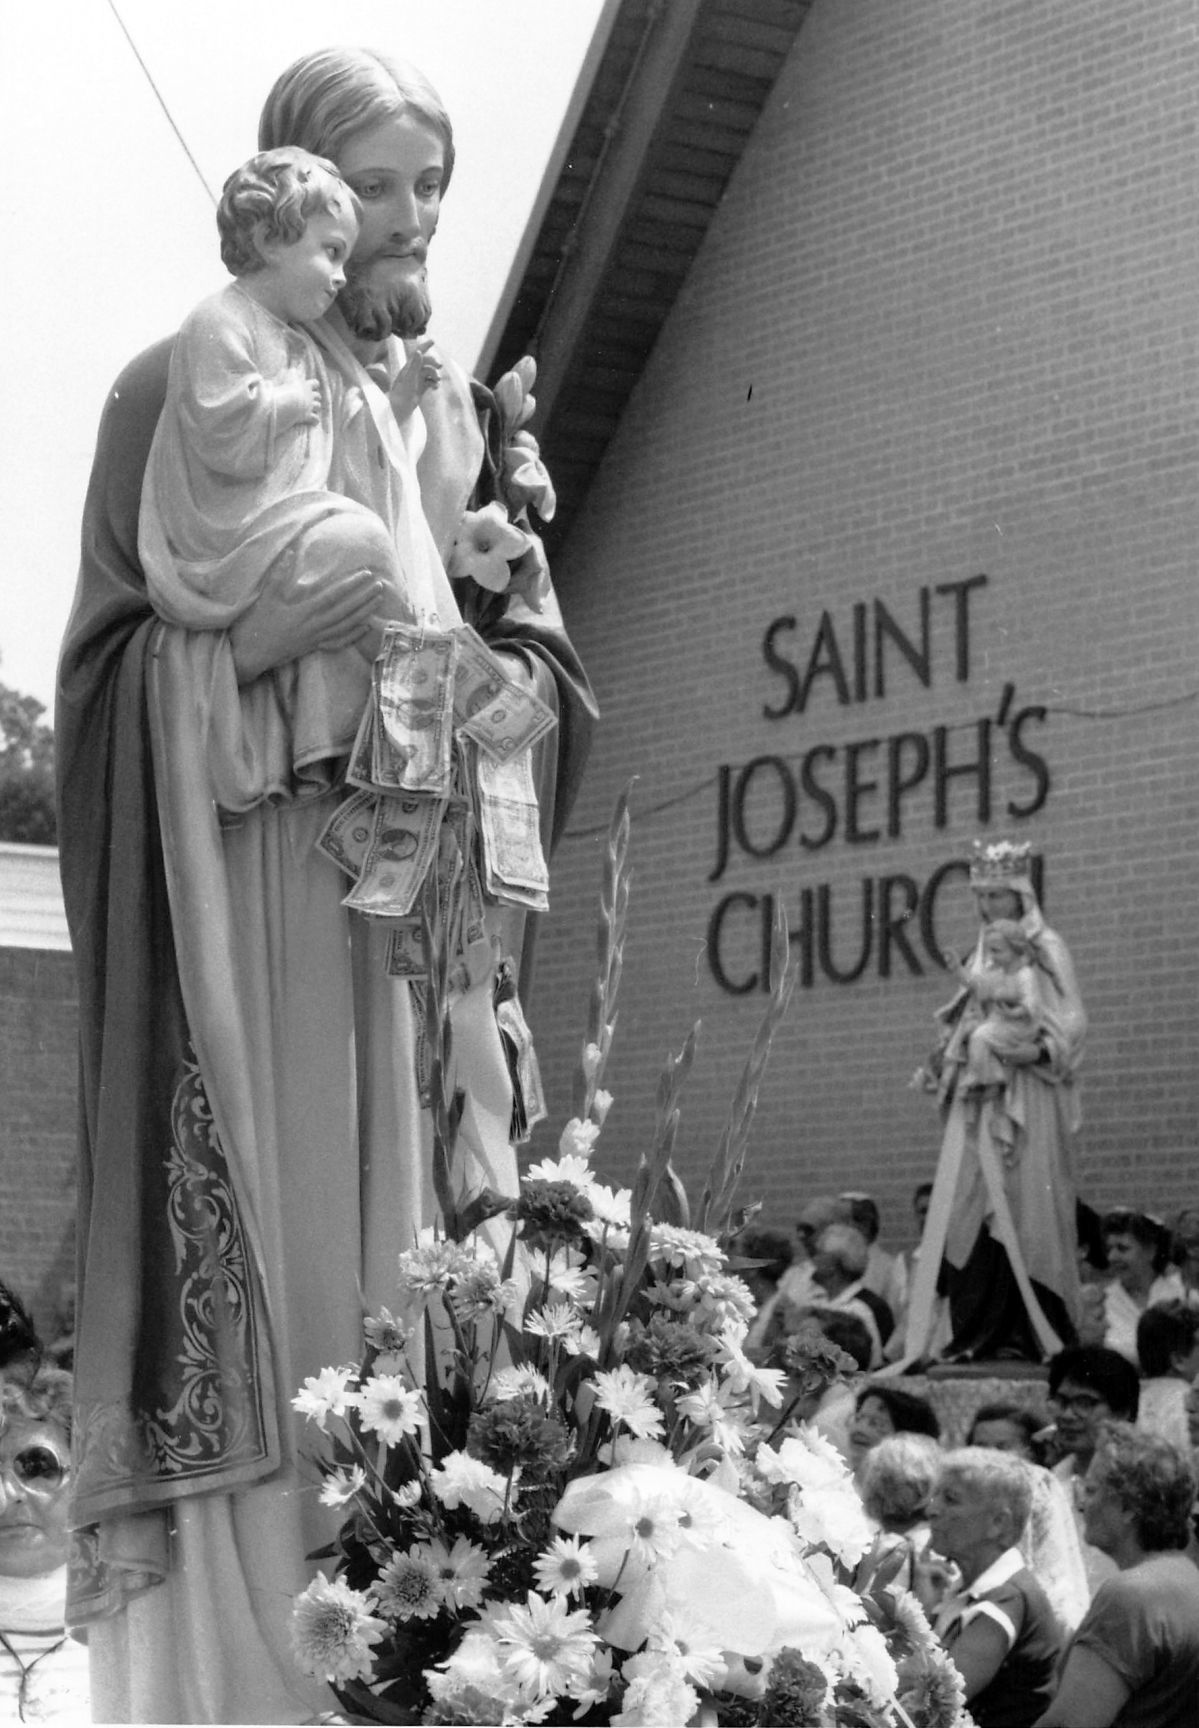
{"x":442,"y":755}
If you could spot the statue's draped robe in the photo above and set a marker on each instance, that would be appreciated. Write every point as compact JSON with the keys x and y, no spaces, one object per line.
{"x":253,"y":1153}
{"x":1000,"y":1232}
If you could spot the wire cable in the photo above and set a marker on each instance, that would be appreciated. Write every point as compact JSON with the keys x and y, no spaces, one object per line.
{"x":162,"y":102}
{"x":1101,"y":714}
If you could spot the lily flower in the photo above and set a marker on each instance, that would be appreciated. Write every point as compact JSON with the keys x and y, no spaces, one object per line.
{"x":485,"y":545}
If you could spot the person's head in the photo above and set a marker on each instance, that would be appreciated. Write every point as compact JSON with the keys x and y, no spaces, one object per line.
{"x":921,"y":1197}
{"x":287,"y":220}
{"x":979,"y":1506}
{"x":1004,"y":943}
{"x":1168,"y":1340}
{"x":20,"y":1346}
{"x":846,"y":1331}
{"x":1091,"y":1253}
{"x":881,"y":1409}
{"x":1000,"y":875}
{"x":997,"y":903}
{"x":1186,"y":1245}
{"x":1137,"y":1486}
{"x":1004,"y":1427}
{"x":35,"y":1459}
{"x":897,"y":1479}
{"x":861,"y":1210}
{"x":773,"y":1248}
{"x":387,"y":130}
{"x":1137,"y":1247}
{"x":839,"y":1256}
{"x":1089,"y":1385}
{"x":814,"y":1216}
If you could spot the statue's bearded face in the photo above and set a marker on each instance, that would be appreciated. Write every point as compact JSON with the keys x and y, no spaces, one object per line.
{"x":378,"y":301}
{"x":396,"y":169}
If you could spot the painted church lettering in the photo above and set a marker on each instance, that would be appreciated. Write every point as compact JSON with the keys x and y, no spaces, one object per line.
{"x":865,"y":791}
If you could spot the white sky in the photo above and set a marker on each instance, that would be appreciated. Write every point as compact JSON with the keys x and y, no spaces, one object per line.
{"x":110,"y":237}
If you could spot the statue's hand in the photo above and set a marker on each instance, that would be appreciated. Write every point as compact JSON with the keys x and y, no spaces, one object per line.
{"x":1025,"y":1054}
{"x":291,"y":618}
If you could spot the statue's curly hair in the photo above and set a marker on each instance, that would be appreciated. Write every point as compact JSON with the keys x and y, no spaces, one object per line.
{"x":271,"y":197}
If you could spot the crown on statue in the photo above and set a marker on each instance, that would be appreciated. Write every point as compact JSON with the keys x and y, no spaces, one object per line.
{"x":999,"y":864}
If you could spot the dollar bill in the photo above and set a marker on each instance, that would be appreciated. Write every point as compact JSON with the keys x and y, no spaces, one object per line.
{"x":346,"y":836}
{"x":360,"y":768}
{"x":490,"y":706}
{"x":529,"y":1106}
{"x":514,"y":865}
{"x":406,"y":950}
{"x":415,"y":680}
{"x":403,"y":845}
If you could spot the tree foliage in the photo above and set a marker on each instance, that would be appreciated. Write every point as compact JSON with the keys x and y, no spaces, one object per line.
{"x":26,"y":771}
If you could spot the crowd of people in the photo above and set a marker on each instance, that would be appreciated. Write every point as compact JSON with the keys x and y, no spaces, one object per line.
{"x":1056,"y":1550}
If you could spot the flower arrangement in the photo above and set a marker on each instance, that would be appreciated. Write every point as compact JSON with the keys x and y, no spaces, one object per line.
{"x":569,"y":1494}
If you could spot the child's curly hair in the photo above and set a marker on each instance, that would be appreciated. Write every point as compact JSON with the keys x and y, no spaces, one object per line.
{"x":271,"y":197}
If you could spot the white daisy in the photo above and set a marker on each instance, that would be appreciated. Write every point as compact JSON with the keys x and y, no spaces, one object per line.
{"x":547,"y":1647}
{"x":566,"y":1276}
{"x":584,"y":1342}
{"x":553,"y":1320}
{"x":520,"y":1382}
{"x":570,"y":1168}
{"x":628,"y":1397}
{"x":326,"y":1394}
{"x":462,"y":1572}
{"x":566,"y":1567}
{"x":341,"y":1486}
{"x":390,"y":1409}
{"x":694,"y":1641}
{"x":612,"y":1207}
{"x":652,"y":1530}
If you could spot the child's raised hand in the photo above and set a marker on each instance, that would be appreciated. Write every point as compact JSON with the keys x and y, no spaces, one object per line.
{"x":314,"y":404}
{"x":421,"y":372}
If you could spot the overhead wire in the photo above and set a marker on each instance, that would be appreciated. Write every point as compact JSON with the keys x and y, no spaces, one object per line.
{"x":162,"y":102}
{"x":649,"y":811}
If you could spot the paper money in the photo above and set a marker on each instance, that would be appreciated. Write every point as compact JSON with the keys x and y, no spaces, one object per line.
{"x":490,"y":706}
{"x":415,"y":681}
{"x":514,"y":866}
{"x":403,"y":845}
{"x":529,"y":1106}
{"x":406,"y":950}
{"x":346,"y":836}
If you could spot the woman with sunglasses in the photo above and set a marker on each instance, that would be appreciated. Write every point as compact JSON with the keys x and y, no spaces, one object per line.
{"x":43,"y":1672}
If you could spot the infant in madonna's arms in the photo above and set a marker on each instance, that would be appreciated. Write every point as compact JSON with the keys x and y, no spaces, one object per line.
{"x":245,"y":471}
{"x":1003,"y":1017}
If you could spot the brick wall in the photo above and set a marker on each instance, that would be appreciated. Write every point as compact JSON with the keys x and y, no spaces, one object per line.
{"x":943,"y":325}
{"x":37,"y":1125}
